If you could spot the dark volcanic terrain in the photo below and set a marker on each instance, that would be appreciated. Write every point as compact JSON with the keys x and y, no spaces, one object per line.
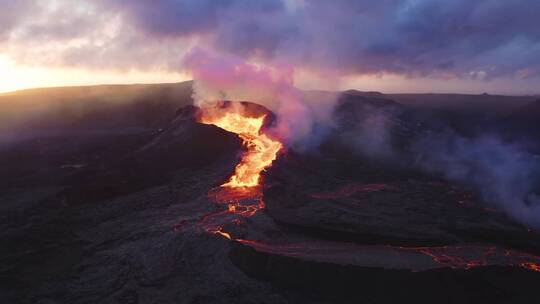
{"x":106,"y":202}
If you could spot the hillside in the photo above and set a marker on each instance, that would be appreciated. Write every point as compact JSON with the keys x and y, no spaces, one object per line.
{"x":92,"y":107}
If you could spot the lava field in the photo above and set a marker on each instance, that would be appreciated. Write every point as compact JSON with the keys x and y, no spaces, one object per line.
{"x":191,"y":205}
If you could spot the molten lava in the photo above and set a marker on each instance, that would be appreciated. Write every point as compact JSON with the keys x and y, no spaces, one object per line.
{"x":242,"y":192}
{"x":261,"y":149}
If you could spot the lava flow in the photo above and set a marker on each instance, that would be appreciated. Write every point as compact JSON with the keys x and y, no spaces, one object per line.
{"x":261,"y":149}
{"x":242,"y":192}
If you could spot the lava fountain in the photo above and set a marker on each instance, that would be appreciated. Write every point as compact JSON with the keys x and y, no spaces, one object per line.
{"x":242,"y":192}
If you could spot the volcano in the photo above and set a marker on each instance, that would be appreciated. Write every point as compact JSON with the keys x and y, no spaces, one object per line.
{"x":208,"y":205}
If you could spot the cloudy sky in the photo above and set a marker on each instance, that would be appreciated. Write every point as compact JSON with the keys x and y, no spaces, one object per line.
{"x":388,"y":45}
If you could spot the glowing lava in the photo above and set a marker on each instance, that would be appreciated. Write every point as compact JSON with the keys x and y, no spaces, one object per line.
{"x":261,"y":149}
{"x":242,"y":192}
{"x":531,"y":266}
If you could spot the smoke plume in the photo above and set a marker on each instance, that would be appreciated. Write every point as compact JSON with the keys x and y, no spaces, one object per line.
{"x":230,"y":78}
{"x":505,"y":173}
{"x":502,"y":172}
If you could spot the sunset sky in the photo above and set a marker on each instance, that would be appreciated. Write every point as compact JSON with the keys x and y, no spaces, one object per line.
{"x":388,"y":45}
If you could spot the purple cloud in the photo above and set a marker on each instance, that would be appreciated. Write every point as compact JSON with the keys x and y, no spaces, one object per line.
{"x":429,"y":38}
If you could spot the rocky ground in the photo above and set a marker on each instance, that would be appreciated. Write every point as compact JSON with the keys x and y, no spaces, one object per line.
{"x":114,"y":217}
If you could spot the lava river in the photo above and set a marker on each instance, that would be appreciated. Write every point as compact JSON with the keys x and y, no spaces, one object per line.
{"x":242,"y":193}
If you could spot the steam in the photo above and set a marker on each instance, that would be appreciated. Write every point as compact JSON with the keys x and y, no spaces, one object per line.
{"x":502,"y":171}
{"x":230,"y":78}
{"x":369,"y":132}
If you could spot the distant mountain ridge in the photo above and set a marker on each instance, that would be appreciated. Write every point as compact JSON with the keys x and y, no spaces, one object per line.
{"x":104,"y":106}
{"x":153,"y":105}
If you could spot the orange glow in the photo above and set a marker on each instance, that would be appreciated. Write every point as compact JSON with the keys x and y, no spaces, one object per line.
{"x":261,"y":149}
{"x":224,"y":234}
{"x":531,"y":266}
{"x":242,"y":193}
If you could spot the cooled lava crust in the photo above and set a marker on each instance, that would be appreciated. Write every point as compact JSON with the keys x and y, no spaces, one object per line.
{"x":113,"y":217}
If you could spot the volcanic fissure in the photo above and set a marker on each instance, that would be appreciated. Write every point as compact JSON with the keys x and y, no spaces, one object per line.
{"x":242,"y":193}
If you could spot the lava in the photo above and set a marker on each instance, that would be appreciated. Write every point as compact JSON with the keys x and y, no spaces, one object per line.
{"x":242,"y":193}
{"x":531,"y":266}
{"x":261,"y":149}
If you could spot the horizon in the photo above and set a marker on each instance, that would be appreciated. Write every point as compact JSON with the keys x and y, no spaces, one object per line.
{"x":5,"y":93}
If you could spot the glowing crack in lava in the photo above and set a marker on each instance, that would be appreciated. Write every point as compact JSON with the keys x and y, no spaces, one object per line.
{"x":242,"y":192}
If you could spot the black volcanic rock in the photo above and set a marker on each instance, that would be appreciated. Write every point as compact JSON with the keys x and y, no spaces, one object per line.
{"x":532,"y":109}
{"x":186,"y":142}
{"x":182,"y":145}
{"x":350,"y":283}
{"x":462,"y":102}
{"x":114,"y":216}
{"x":343,"y":193}
{"x":360,"y":201}
{"x":522,"y":123}
{"x":369,"y":126}
{"x":352,"y":109}
{"x":37,"y":111}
